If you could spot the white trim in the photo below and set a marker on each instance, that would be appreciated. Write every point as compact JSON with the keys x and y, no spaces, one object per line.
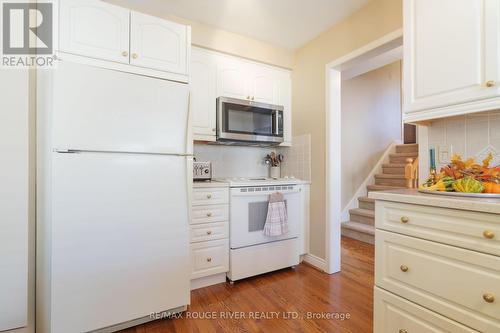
{"x":369,"y":180}
{"x":333,"y":73}
{"x":183,"y":78}
{"x":317,"y":262}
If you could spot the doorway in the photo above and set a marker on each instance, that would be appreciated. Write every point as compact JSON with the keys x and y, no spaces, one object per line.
{"x":379,"y":53}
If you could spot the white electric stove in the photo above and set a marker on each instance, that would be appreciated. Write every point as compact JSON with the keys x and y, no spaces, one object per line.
{"x":252,"y":252}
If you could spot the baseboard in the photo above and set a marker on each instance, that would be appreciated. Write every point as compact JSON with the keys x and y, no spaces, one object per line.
{"x":314,"y":261}
{"x":208,"y":281}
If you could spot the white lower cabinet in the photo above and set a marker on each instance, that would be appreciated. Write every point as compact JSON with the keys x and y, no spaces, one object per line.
{"x":396,"y":314}
{"x":440,"y":259}
{"x":209,"y":258}
{"x":209,"y":230}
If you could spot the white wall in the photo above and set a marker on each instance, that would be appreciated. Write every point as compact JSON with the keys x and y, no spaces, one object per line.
{"x":472,"y":135}
{"x":15,"y":192}
{"x":371,"y":121}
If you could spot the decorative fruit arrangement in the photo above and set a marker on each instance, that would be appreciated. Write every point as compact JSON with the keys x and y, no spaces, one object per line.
{"x":466,"y":177}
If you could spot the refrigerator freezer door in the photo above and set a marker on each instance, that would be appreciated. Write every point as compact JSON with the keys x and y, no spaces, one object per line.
{"x":119,"y":238}
{"x":98,"y":109}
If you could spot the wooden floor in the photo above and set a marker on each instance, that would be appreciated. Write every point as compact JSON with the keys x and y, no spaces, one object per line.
{"x":299,"y":292}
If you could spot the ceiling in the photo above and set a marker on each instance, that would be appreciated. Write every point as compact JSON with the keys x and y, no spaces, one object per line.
{"x":287,"y":23}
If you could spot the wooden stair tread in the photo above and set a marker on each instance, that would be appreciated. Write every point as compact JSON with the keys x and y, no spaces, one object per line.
{"x":390,"y":176}
{"x":384,"y":188}
{"x":393,"y":165}
{"x":360,"y":227}
{"x":410,"y":154}
{"x":366,"y":199}
{"x":362,"y":212}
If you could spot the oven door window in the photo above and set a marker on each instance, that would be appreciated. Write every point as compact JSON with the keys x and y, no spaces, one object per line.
{"x":241,"y":119}
{"x":257,"y":215}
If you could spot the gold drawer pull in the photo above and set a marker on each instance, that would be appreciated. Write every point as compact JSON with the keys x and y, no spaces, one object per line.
{"x":209,"y":214}
{"x":488,"y":234}
{"x":135,"y":55}
{"x":209,"y":259}
{"x":403,"y":331}
{"x":489,"y":298}
{"x":209,"y":232}
{"x":490,"y":84}
{"x":125,"y":53}
{"x":404,"y":268}
{"x":209,"y":196}
{"x":405,"y":219}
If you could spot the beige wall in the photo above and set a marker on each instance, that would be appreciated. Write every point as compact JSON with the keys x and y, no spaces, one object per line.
{"x":377,"y":18}
{"x":371,"y":117}
{"x":228,"y":42}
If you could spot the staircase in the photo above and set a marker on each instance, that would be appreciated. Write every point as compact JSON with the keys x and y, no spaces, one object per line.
{"x":361,"y":225}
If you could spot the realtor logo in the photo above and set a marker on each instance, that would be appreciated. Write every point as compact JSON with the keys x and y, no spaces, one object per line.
{"x":27,"y":34}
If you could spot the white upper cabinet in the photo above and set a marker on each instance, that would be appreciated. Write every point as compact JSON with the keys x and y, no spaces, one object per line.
{"x":262,"y":84}
{"x":124,"y":39}
{"x":94,"y":29}
{"x":203,"y":95}
{"x":216,"y":75}
{"x":157,"y":43}
{"x":232,"y":78}
{"x":451,"y":57}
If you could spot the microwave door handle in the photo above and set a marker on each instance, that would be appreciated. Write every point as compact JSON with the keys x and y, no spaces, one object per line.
{"x":276,"y":123}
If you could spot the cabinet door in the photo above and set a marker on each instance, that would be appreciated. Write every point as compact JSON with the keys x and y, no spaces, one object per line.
{"x":262,"y":84}
{"x":158,"y":44}
{"x":451,"y":52}
{"x":203,"y":95}
{"x":94,"y":29}
{"x":232,"y":78}
{"x":285,"y":98}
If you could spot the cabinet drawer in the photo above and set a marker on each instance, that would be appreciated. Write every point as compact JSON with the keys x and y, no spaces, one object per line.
{"x":210,"y":213}
{"x":395,"y":314}
{"x":209,"y":231}
{"x":471,"y":230}
{"x":210,"y":196}
{"x":208,"y":258}
{"x":451,"y":281}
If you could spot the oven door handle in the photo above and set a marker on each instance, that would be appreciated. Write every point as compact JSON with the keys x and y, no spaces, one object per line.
{"x":256,"y":194}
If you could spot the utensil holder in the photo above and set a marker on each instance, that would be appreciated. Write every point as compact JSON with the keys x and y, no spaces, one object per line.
{"x":275,"y":172}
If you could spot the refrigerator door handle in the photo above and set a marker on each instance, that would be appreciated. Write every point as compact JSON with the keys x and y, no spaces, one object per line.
{"x":66,"y":151}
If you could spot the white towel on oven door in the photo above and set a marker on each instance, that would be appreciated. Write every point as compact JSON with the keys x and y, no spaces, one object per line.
{"x":277,"y":218}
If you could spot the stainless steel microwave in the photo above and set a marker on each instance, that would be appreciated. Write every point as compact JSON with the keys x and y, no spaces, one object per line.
{"x":247,"y":122}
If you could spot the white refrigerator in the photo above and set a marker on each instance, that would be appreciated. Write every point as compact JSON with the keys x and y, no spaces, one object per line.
{"x":119,"y":184}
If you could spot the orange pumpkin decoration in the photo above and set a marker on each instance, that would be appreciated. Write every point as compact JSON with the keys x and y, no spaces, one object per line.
{"x":490,"y":187}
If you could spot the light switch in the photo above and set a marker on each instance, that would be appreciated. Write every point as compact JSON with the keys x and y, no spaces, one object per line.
{"x":444,"y":155}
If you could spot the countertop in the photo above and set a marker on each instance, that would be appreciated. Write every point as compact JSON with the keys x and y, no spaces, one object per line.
{"x":209,"y":184}
{"x":410,"y":196}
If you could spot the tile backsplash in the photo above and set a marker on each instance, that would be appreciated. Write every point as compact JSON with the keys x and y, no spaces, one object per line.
{"x":238,"y":161}
{"x":473,"y":135}
{"x":297,"y":158}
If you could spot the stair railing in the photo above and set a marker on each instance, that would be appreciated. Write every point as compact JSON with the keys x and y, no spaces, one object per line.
{"x":411,"y":172}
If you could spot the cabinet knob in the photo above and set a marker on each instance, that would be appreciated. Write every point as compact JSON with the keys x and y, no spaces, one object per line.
{"x":253,"y":98}
{"x":125,"y":53}
{"x":489,"y":298}
{"x":209,"y":196}
{"x":209,"y":232}
{"x":209,"y":259}
{"x":490,"y":84}
{"x":135,"y":55}
{"x":404,"y":268}
{"x":209,"y":214}
{"x":488,"y":234}
{"x":405,"y":219}
{"x":248,"y":97}
{"x":213,"y":129}
{"x":403,"y":331}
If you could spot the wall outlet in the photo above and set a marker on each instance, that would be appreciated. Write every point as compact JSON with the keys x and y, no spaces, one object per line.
{"x":444,"y":154}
